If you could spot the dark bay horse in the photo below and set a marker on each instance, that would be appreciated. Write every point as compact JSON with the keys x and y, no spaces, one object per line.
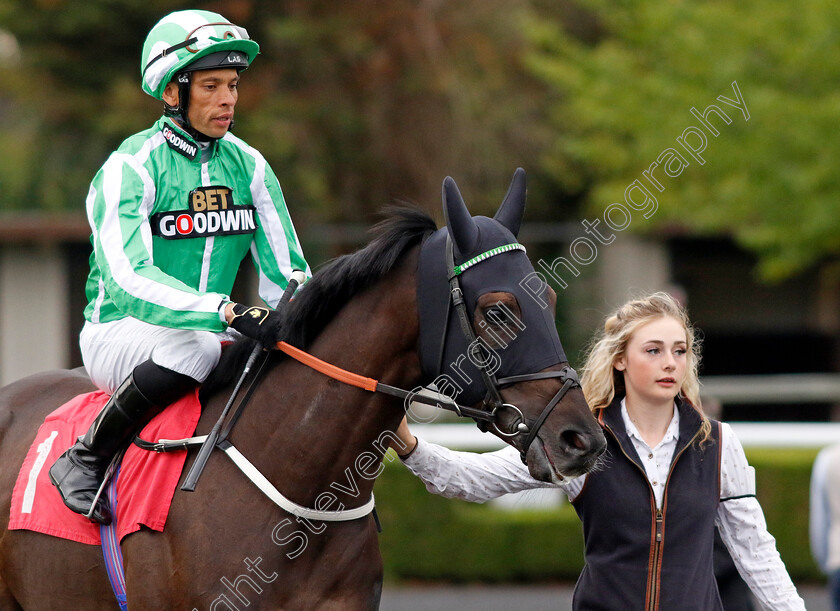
{"x":226,"y":545}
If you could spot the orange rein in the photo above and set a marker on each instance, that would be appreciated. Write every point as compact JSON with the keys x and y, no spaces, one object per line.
{"x":371,"y":385}
{"x":337,"y":373}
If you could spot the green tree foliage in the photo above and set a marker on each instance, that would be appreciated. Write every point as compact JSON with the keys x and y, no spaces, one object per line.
{"x":355,"y":104}
{"x":624,"y":77}
{"x":69,"y":96}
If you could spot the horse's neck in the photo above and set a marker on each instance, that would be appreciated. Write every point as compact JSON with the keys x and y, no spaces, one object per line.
{"x":324,"y":436}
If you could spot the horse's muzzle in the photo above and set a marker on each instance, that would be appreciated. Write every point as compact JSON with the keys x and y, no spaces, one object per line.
{"x":575,"y":451}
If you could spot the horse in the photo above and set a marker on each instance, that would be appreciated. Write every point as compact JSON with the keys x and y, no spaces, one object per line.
{"x":227,"y":545}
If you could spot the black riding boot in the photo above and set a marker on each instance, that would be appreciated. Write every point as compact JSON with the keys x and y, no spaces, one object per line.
{"x":79,"y":472}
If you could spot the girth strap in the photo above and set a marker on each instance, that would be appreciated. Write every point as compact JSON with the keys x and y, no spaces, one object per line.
{"x":260,"y":481}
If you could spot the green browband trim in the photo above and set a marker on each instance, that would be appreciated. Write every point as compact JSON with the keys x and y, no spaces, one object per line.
{"x":460,"y":269}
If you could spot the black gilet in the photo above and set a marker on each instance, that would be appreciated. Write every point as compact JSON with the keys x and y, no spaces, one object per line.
{"x":639,"y":558}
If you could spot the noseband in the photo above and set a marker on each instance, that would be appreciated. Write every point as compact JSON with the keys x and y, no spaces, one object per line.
{"x":493,"y":402}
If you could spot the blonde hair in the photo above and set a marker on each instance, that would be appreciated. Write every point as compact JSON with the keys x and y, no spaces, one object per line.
{"x":601,"y":381}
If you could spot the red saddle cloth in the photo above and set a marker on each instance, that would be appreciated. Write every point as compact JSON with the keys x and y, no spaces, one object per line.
{"x":145,"y":486}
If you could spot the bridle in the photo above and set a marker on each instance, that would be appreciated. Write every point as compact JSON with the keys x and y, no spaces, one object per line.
{"x":493,"y":402}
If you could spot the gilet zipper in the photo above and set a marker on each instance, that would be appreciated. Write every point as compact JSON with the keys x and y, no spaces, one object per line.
{"x":655,"y":569}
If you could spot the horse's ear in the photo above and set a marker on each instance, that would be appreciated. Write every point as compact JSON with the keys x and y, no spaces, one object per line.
{"x":461,"y":225}
{"x":513,"y":206}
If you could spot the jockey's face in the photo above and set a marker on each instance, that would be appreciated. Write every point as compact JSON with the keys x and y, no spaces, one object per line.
{"x":213,"y":95}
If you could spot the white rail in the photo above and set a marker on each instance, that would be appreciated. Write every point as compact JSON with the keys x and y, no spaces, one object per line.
{"x":773,"y":388}
{"x":751,"y":434}
{"x":793,"y":388}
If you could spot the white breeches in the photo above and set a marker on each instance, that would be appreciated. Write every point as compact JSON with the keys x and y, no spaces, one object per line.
{"x":111,"y":351}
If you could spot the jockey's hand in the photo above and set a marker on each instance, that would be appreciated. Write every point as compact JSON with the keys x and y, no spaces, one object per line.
{"x":262,"y":324}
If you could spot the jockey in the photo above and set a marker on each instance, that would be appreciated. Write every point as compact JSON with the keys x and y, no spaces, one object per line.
{"x":173,"y":213}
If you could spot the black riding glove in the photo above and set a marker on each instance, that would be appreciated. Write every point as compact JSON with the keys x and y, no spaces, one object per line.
{"x":262,"y":324}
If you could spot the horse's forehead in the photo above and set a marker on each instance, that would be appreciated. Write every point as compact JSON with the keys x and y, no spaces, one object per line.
{"x":501,"y":272}
{"x":491,"y":233}
{"x":536,"y":347}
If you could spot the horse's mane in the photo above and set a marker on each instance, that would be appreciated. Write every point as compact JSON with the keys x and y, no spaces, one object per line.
{"x":333,"y":285}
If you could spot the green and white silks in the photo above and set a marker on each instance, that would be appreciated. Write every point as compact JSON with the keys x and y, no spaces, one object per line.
{"x":170,"y":232}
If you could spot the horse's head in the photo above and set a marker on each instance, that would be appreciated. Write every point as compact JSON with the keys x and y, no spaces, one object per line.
{"x":488,"y":339}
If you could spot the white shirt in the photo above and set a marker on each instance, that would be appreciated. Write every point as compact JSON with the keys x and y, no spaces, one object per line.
{"x":657,"y":460}
{"x":824,"y":525}
{"x":480,"y":477}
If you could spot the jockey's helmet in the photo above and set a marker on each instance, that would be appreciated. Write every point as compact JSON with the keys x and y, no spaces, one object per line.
{"x":185,"y":41}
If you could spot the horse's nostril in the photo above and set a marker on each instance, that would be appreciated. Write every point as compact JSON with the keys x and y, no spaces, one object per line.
{"x":575,"y":441}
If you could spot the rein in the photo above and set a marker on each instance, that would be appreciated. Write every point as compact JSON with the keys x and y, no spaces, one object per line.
{"x":257,"y":478}
{"x":485,"y":417}
{"x":567,"y":374}
{"x":493,"y":385}
{"x":371,"y":385}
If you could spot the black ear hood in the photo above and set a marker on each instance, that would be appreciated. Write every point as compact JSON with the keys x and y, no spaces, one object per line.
{"x":443,"y":345}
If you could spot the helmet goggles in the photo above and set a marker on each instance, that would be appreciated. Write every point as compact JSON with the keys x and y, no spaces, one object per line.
{"x":201,"y":38}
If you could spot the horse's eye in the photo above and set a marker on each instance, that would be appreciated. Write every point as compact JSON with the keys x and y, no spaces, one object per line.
{"x":497,"y":315}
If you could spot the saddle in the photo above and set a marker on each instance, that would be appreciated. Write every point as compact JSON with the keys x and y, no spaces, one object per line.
{"x":146,"y":482}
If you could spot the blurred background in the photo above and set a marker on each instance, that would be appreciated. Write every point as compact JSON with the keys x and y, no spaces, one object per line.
{"x":683,"y":146}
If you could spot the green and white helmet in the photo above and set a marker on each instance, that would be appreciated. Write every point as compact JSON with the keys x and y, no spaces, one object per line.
{"x":182,"y":38}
